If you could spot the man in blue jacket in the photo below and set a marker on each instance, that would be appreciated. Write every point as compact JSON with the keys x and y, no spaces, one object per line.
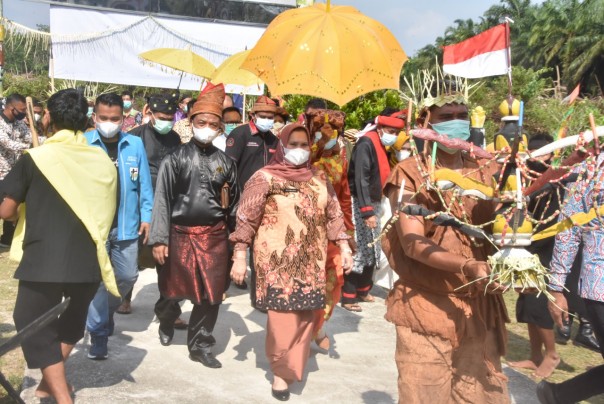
{"x":132,"y":218}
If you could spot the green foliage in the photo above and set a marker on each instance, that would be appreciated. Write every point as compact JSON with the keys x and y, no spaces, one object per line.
{"x":24,"y":55}
{"x":358,"y":111}
{"x":27,"y":85}
{"x":564,"y":33}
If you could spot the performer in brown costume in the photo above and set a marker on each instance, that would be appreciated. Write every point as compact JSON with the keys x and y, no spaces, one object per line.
{"x":449,"y":336}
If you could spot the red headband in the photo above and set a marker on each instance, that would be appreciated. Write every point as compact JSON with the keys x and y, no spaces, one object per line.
{"x":393,"y":121}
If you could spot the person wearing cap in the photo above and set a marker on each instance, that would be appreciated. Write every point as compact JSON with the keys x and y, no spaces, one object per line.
{"x":159,"y":140}
{"x":252,"y":146}
{"x":158,"y":135}
{"x":367,"y":174}
{"x":195,"y":203}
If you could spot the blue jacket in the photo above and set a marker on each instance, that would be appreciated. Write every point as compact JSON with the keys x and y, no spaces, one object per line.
{"x":136,"y":192}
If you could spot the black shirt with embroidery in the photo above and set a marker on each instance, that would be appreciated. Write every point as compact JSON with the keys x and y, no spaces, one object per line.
{"x":57,"y":247}
{"x":251,"y":150}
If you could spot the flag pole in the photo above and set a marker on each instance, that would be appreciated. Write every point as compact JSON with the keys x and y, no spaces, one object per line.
{"x":508,"y":48}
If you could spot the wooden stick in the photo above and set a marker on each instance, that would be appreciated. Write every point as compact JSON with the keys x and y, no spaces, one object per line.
{"x":32,"y":123}
{"x":592,"y":123}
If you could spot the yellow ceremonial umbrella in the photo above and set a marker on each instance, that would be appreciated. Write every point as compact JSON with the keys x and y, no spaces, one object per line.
{"x":332,"y":52}
{"x":184,"y":60}
{"x":230,"y":72}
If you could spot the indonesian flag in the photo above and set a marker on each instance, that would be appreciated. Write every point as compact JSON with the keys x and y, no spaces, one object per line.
{"x":485,"y":54}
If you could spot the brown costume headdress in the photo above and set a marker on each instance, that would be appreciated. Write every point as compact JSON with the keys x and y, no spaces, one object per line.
{"x":264,"y":104}
{"x":210,"y":100}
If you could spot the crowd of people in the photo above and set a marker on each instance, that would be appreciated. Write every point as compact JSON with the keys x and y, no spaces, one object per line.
{"x":190,"y":186}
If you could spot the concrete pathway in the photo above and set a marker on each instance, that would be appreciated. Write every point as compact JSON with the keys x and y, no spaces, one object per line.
{"x":358,"y":369}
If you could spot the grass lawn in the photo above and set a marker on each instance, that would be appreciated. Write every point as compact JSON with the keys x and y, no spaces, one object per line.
{"x":574,"y":359}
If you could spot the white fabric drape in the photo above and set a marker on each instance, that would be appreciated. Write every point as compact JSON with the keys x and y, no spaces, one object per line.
{"x":103,"y":46}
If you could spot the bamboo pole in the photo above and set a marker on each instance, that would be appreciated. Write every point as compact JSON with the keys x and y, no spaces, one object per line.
{"x":32,"y":122}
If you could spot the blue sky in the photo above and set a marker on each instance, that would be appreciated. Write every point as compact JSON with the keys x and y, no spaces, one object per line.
{"x":415,"y":23}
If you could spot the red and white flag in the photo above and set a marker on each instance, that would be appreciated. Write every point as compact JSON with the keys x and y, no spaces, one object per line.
{"x":486,"y":54}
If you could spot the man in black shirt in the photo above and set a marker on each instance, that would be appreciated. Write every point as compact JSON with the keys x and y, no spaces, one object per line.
{"x":160,"y":140}
{"x":194,"y":208}
{"x":63,"y":245}
{"x":252,"y":146}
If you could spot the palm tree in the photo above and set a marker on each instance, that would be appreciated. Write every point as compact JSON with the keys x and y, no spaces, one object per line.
{"x":570,"y":34}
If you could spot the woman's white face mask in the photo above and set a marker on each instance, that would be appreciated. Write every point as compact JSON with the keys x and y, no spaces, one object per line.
{"x":297,"y":156}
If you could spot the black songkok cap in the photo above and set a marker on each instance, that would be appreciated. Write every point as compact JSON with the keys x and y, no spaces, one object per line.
{"x":165,"y":103}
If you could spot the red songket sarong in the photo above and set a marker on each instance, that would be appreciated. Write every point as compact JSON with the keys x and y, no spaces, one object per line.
{"x":197,"y":263}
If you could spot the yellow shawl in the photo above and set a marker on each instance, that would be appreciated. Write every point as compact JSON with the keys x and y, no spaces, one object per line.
{"x":86,"y":179}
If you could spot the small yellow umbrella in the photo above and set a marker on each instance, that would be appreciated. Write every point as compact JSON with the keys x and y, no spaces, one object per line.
{"x":184,"y":60}
{"x":332,"y":52}
{"x":230,"y":72}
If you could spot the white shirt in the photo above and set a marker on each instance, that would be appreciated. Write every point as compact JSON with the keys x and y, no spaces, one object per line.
{"x":220,"y":141}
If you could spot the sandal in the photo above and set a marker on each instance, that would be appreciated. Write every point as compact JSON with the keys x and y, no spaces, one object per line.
{"x":366,"y":299}
{"x":352,"y":307}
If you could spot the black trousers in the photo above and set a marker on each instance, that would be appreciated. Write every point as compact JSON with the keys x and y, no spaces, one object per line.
{"x":43,"y":348}
{"x":587,"y":384}
{"x":8,"y":230}
{"x":201,"y":323}
{"x":357,"y":285}
{"x":165,"y":305}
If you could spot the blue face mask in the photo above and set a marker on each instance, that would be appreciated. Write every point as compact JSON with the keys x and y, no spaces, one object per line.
{"x":228,"y":128}
{"x":330,"y":144}
{"x":455,"y":129}
{"x":264,"y":124}
{"x":162,"y":127}
{"x":90,"y":111}
{"x":388,"y":139}
{"x":127,"y":104}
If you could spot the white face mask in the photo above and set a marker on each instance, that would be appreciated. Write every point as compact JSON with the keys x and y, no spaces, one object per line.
{"x":205,"y":135}
{"x":108,"y":129}
{"x":297,"y":156}
{"x":264,"y":124}
{"x":278,"y":125}
{"x":402,"y":154}
{"x":37,"y":117}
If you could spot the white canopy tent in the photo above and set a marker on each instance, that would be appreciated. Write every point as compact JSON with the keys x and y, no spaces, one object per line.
{"x":102,"y":45}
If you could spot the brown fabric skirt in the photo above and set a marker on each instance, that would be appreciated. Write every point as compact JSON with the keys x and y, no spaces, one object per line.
{"x":288,"y":336}
{"x":431,"y":370}
{"x":197,"y":264}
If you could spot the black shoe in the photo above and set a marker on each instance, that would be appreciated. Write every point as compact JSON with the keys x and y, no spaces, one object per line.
{"x":545,"y":393}
{"x":586,"y":337}
{"x":281,"y":395}
{"x":207,"y":359}
{"x":243,"y":285}
{"x":165,"y":337}
{"x":563,"y":334}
